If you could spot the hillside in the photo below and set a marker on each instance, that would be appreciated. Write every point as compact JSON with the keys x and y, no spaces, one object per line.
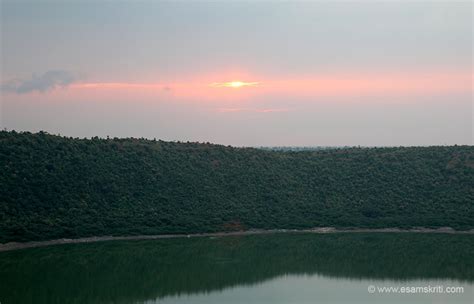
{"x":54,"y":187}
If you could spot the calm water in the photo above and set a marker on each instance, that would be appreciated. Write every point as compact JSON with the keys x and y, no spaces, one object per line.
{"x":290,"y":268}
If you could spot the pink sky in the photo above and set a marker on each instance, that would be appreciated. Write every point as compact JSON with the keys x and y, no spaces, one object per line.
{"x":324,"y":72}
{"x":346,"y":85}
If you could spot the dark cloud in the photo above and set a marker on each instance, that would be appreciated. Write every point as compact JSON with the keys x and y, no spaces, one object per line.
{"x":47,"y":81}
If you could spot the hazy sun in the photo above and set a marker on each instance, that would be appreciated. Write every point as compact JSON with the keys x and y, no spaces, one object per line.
{"x":234,"y":84}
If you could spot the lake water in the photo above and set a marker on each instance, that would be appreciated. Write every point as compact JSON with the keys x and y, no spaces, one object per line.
{"x":280,"y":268}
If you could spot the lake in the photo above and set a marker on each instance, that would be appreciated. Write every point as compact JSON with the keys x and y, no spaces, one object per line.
{"x":276,"y":268}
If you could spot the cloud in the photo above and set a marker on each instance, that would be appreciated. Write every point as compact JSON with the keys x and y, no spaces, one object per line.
{"x":229,"y":110}
{"x":271,"y":110}
{"x":45,"y":82}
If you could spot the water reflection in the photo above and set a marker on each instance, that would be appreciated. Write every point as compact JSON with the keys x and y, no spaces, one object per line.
{"x":313,"y":289}
{"x":205,"y":269}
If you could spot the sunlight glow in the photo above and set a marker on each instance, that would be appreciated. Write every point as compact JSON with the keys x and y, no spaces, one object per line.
{"x":234,"y":84}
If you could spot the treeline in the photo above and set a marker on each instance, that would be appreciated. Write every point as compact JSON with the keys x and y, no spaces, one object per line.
{"x":54,"y":187}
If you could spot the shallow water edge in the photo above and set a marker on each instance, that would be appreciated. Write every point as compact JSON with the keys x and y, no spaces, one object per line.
{"x":16,"y":245}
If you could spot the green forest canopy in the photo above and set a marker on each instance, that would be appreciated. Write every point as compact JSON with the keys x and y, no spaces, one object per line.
{"x":54,"y":187}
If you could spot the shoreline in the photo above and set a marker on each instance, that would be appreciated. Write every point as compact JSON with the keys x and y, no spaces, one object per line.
{"x":323,"y":230}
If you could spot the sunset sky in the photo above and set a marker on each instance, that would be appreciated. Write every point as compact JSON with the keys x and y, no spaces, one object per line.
{"x":244,"y":73}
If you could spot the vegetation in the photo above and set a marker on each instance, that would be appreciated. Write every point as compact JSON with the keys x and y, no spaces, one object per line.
{"x":137,"y":271}
{"x":54,"y":187}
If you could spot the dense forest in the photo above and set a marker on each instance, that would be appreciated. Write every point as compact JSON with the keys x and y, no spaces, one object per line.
{"x":55,"y":187}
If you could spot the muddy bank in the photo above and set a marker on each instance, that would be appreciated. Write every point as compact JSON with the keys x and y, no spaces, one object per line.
{"x":16,"y":246}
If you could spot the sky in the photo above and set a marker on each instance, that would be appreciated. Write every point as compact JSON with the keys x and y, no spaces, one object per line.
{"x":242,"y":73}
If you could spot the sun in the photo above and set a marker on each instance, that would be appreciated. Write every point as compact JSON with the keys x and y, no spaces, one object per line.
{"x":234,"y":84}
